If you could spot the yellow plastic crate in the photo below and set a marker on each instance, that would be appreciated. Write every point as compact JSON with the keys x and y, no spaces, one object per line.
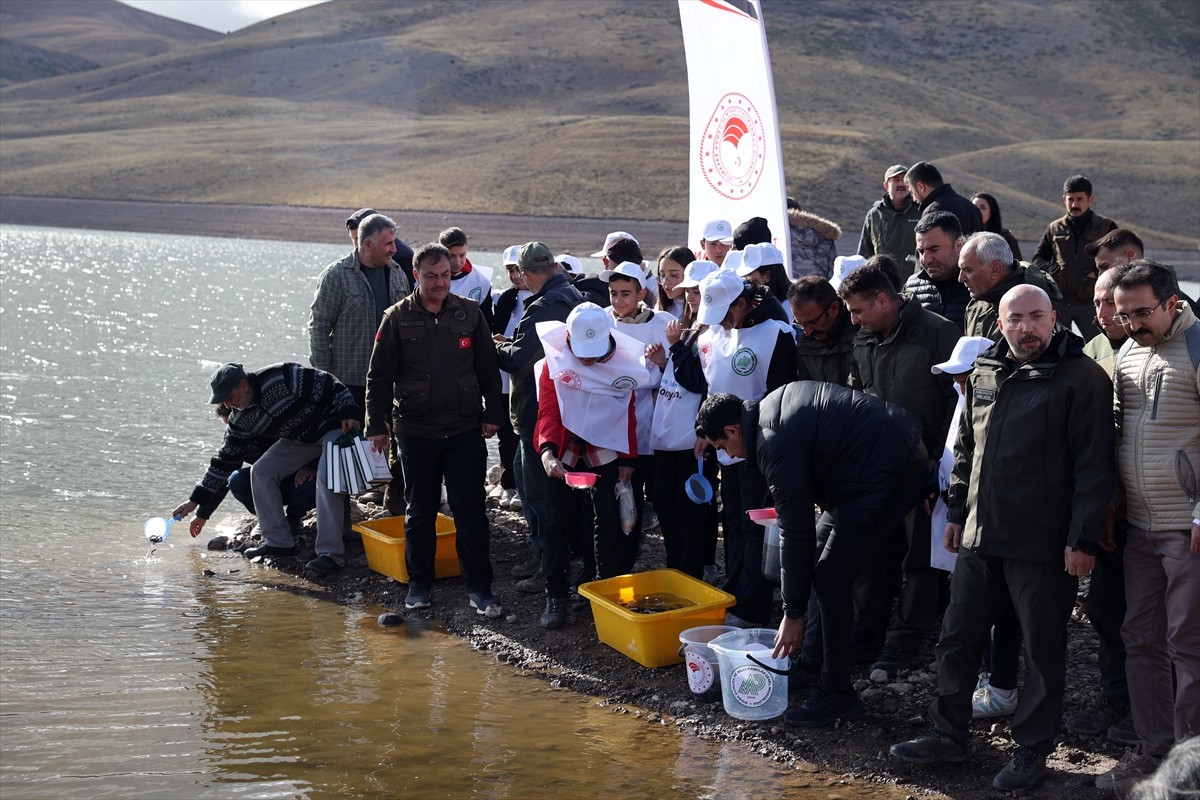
{"x":652,"y":640}
{"x":383,"y":540}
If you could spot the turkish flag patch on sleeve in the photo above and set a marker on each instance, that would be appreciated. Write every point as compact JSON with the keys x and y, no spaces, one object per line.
{"x":464,"y":343}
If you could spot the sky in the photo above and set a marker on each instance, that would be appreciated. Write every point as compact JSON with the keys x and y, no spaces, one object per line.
{"x":220,"y":15}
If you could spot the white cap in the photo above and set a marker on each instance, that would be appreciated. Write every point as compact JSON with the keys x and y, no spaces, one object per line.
{"x":626,"y":269}
{"x":612,"y":237}
{"x":966,"y":350}
{"x":588,"y":325}
{"x":733,"y":259}
{"x":843,"y":266}
{"x":570,"y":264}
{"x":718,"y":230}
{"x":757,"y":256}
{"x":695,"y":272}
{"x":510,"y":255}
{"x":717,"y":293}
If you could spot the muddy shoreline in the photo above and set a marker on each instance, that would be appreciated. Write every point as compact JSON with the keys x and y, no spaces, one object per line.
{"x":572,"y":657}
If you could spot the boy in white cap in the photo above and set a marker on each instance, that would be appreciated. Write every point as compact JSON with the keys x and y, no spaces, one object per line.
{"x":586,"y":422}
{"x":626,"y":293}
{"x":716,"y":241}
{"x":748,"y":350}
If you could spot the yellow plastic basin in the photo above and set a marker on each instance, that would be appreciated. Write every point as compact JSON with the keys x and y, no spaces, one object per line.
{"x":652,"y":640}
{"x":383,"y":540}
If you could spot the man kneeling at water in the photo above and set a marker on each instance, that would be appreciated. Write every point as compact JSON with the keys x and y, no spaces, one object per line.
{"x":857,"y":457}
{"x":303,"y":408}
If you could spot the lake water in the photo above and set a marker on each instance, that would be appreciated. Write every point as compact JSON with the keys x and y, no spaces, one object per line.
{"x":129,"y":674}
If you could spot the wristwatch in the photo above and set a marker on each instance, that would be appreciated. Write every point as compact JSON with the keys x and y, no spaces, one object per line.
{"x":793,"y":613}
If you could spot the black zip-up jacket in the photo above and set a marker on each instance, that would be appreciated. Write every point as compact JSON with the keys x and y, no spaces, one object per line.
{"x":944,"y":198}
{"x":946,"y":298}
{"x":553,"y":303}
{"x":1034,"y":463}
{"x":820,"y":444}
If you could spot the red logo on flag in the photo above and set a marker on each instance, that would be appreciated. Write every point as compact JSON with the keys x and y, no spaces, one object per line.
{"x":464,"y":343}
{"x":733,"y":151}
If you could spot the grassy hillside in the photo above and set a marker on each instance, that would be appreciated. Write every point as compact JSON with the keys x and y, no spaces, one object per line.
{"x":580,"y":109}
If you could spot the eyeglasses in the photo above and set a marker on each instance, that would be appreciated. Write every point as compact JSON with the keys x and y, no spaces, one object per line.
{"x":1037,"y":317}
{"x":809,"y":323}
{"x":1138,"y":314}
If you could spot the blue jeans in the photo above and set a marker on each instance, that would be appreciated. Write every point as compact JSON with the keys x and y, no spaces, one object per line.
{"x":299,"y":499}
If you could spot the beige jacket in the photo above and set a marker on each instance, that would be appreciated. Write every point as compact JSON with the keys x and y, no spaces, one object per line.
{"x":1157,"y":402}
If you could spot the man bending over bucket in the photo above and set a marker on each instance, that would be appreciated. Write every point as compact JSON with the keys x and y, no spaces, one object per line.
{"x":860,"y":459}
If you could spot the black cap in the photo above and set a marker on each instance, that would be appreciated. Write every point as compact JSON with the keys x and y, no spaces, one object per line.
{"x":355,"y":219}
{"x":224,"y":380}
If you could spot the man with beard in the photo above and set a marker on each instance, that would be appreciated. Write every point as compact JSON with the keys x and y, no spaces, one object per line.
{"x":1032,"y":479}
{"x":935,"y":285}
{"x":824,"y":348}
{"x":1063,"y":255}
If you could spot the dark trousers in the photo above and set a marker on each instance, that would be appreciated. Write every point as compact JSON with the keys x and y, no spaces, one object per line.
{"x":299,"y":500}
{"x":506,"y":441}
{"x":901,"y":562}
{"x":744,"y":489}
{"x":1003,"y":654}
{"x":1106,"y":610}
{"x":852,"y":527}
{"x":689,"y":530}
{"x":460,"y":461}
{"x":560,"y":526}
{"x":1042,"y":596}
{"x":531,"y":481}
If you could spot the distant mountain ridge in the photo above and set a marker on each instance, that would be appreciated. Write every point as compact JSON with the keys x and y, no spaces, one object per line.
{"x":580,"y":109}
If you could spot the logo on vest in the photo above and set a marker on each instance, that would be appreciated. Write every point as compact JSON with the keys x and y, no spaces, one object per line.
{"x":475,"y":294}
{"x":570,"y":377}
{"x":733,"y":148}
{"x":625,"y":383}
{"x":744,"y":361}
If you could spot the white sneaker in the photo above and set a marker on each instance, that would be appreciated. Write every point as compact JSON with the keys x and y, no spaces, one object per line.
{"x":988,"y":702}
{"x":514,"y":502}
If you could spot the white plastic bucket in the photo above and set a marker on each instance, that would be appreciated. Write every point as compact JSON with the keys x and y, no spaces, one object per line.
{"x":753,"y":685}
{"x":703,"y":669}
{"x":771,"y":565}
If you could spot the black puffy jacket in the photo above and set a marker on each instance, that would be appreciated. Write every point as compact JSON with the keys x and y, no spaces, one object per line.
{"x":947,"y":298}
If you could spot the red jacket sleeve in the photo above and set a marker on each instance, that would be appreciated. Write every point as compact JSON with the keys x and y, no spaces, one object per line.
{"x":549,"y":430}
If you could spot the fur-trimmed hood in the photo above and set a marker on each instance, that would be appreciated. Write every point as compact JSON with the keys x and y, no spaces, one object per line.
{"x":804,"y":219}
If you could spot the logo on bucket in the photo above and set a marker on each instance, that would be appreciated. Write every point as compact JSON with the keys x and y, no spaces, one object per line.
{"x":699,"y":672}
{"x":751,"y":685}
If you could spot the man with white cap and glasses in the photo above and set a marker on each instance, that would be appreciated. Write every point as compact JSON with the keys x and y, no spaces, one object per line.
{"x":586,"y":422}
{"x":747,"y":350}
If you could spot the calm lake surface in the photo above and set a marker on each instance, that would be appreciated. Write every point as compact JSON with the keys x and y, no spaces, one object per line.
{"x":129,"y":674}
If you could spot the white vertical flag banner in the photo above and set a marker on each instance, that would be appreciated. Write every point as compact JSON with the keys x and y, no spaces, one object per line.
{"x":736,"y":157}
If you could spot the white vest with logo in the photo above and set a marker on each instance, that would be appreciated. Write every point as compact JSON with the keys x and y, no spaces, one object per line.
{"x":674,"y":421}
{"x":652,"y":331}
{"x":593,"y":399}
{"x":474,"y":285}
{"x":737,"y":361}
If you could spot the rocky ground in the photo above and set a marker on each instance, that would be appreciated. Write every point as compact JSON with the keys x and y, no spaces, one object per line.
{"x":574,"y":658}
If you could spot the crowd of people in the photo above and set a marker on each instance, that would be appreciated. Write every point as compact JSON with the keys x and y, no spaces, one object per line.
{"x":936,"y":439}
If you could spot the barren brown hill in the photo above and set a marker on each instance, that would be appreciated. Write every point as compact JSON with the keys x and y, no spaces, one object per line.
{"x":104,"y":32}
{"x":579,"y":108}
